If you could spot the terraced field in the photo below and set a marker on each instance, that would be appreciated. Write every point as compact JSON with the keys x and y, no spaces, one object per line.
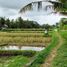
{"x":21,"y":38}
{"x":15,"y":58}
{"x":24,"y":38}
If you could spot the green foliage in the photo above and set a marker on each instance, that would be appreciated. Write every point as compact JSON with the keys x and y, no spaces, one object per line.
{"x":19,"y":23}
{"x":14,"y":61}
{"x":64,"y":34}
{"x":65,"y":27}
{"x":63,"y":23}
{"x":63,"y":1}
{"x":61,"y":6}
{"x":61,"y":58}
{"x":19,"y":62}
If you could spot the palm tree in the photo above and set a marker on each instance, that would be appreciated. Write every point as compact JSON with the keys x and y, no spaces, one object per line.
{"x":28,"y":7}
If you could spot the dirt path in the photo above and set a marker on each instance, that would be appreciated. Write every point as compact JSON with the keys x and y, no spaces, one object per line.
{"x":53,"y":53}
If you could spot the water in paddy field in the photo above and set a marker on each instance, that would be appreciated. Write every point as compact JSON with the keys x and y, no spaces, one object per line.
{"x":22,"y":48}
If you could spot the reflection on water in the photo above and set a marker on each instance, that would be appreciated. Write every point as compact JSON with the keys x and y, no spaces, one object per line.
{"x":21,"y":48}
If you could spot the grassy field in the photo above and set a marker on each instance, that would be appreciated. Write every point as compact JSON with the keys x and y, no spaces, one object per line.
{"x":39,"y":59}
{"x":33,"y":38}
{"x":61,"y":58}
{"x":14,"y":61}
{"x":15,"y":58}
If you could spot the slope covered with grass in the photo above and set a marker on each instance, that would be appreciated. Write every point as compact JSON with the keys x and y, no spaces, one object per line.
{"x":40,"y":58}
{"x":14,"y":61}
{"x":61,"y":58}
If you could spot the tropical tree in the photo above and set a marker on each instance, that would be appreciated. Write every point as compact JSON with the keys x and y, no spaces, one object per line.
{"x":56,"y":4}
{"x":7,"y":21}
{"x":63,"y":1}
{"x":2,"y":21}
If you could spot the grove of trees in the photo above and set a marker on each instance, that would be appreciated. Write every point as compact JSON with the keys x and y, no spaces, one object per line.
{"x":20,"y":23}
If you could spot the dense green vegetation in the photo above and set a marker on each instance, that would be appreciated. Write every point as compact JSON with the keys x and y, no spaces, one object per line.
{"x":15,"y":58}
{"x":40,"y":58}
{"x":6,"y":23}
{"x":18,"y":23}
{"x":61,"y":58}
{"x":64,"y":5}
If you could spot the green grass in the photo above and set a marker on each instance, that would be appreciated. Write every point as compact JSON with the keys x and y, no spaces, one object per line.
{"x":40,"y":58}
{"x":14,"y":61}
{"x":15,"y":58}
{"x":19,"y":62}
{"x":61,"y":58}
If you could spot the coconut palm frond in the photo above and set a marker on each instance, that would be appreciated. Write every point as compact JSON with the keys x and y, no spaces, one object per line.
{"x":40,"y":5}
{"x":26,"y":8}
{"x":29,"y":6}
{"x":57,"y":5}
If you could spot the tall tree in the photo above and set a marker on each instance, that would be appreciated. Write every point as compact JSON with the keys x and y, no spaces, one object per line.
{"x":2,"y":21}
{"x":59,"y":5}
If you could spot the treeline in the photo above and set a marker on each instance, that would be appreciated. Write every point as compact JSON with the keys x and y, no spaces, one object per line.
{"x":20,"y":23}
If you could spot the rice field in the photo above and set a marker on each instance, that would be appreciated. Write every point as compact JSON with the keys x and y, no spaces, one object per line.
{"x":24,"y":38}
{"x":21,"y":38}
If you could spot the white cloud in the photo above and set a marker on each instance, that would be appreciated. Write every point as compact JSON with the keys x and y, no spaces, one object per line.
{"x":7,"y":12}
{"x":45,"y":19}
{"x":14,"y":4}
{"x":10,"y":8}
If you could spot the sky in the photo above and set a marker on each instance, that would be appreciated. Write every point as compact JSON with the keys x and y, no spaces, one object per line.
{"x":10,"y":8}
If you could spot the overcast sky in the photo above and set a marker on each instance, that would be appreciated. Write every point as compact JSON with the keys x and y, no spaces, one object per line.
{"x":10,"y":8}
